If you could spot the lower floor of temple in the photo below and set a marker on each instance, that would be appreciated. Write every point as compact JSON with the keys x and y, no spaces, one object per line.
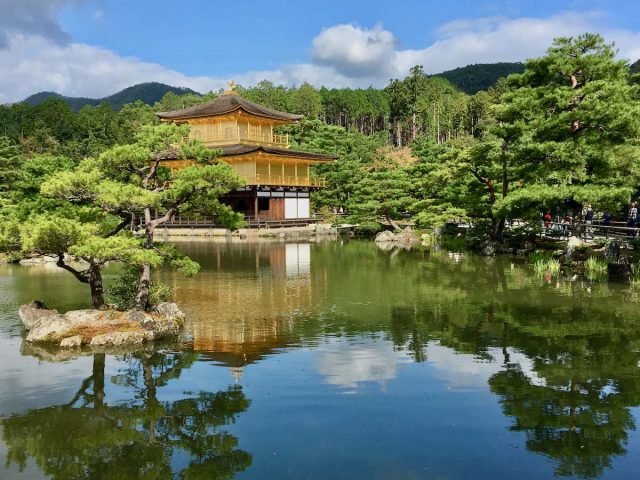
{"x":261,"y":206}
{"x":271,"y":203}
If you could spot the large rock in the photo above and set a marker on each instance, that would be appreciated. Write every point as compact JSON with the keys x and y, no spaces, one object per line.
{"x":170,"y":311}
{"x":32,"y":313}
{"x":98,"y":327}
{"x":385,"y":236}
{"x":574,"y":244}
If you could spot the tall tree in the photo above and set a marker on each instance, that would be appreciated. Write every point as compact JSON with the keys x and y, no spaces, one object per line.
{"x":569,"y":128}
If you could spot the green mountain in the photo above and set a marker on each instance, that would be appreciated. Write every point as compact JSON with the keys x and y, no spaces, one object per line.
{"x":148,"y":93}
{"x":635,"y":67}
{"x":473,"y":78}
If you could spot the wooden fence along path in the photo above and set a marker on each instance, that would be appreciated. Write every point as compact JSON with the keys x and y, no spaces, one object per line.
{"x":596,"y":229}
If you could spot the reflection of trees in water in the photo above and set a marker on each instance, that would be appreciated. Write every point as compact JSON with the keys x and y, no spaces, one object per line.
{"x":139,"y":438}
{"x":580,"y":425}
{"x":573,"y":402}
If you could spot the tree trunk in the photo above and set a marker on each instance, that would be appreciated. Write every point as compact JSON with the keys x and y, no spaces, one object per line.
{"x":395,"y":226}
{"x":498,"y":230}
{"x":413,"y":126}
{"x":144,"y":287}
{"x":95,"y":283}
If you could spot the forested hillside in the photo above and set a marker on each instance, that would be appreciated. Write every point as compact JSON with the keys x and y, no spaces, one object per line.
{"x":148,"y":93}
{"x":473,"y":78}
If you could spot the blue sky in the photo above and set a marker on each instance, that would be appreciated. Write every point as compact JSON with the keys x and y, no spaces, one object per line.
{"x":96,"y":47}
{"x":213,"y":37}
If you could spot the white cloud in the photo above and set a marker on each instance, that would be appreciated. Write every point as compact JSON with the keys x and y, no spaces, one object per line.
{"x":499,"y":39}
{"x":36,"y":55}
{"x":354,"y":51}
{"x":32,"y":64}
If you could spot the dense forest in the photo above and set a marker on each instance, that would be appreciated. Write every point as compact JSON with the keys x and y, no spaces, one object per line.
{"x":561,"y":133}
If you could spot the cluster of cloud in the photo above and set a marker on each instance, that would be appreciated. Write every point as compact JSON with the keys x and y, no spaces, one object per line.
{"x":36,"y":54}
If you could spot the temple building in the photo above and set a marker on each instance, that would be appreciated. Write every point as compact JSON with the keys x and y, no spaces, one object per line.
{"x":278,"y":179}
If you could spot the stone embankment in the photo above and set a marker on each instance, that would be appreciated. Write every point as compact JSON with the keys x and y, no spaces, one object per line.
{"x":100,"y":328}
{"x":311,"y":233}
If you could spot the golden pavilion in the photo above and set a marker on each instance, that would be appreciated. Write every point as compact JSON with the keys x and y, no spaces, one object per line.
{"x":278,"y":179}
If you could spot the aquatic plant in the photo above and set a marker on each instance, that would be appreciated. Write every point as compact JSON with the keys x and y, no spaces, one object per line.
{"x":543,"y":262}
{"x":595,"y":268}
{"x":635,"y":275}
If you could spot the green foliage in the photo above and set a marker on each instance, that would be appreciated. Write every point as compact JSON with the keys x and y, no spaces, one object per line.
{"x":9,"y":166}
{"x":51,"y":235}
{"x":121,"y":290}
{"x":384,"y":192}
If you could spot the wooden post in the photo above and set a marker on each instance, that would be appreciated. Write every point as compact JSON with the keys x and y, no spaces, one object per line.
{"x":255,"y":205}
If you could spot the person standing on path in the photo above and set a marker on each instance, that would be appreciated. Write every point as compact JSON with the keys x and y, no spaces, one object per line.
{"x":588,"y":220}
{"x":632,"y":217}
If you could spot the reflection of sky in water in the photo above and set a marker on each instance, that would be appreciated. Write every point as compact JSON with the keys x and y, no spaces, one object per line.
{"x":348,"y":363}
{"x":26,"y":382}
{"x":462,"y":371}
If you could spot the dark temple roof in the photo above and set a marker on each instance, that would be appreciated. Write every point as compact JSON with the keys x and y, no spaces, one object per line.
{"x":227,"y":103}
{"x":241,"y":149}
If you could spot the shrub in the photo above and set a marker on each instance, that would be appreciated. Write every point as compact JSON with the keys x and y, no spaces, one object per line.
{"x":122,"y":291}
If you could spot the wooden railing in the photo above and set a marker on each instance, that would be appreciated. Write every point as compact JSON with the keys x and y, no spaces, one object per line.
{"x":286,"y":180}
{"x":235,"y":135}
{"x":611,"y":229}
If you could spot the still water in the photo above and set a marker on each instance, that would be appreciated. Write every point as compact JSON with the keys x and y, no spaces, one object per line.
{"x":335,"y":360}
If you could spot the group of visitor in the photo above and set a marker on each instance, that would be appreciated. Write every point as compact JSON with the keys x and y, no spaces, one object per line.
{"x":563,"y":226}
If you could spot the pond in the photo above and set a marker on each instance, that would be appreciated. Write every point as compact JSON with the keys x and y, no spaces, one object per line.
{"x":335,"y":360}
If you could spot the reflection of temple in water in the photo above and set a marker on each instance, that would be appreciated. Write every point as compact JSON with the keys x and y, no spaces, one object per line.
{"x":248,"y":298}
